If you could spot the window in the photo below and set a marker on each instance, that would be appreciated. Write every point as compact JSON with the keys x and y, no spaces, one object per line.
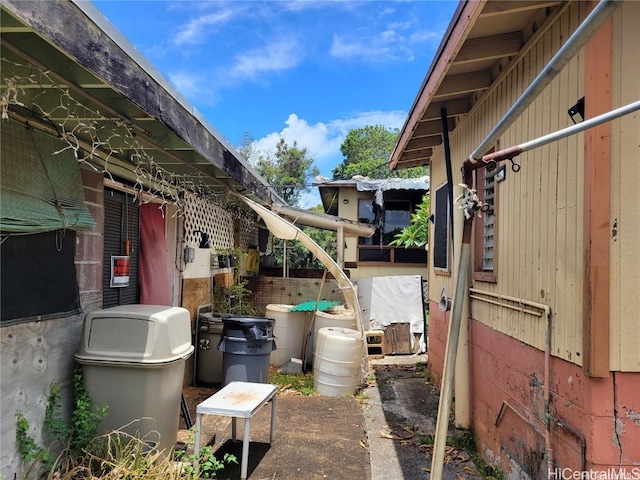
{"x":42,"y":199}
{"x":38,"y":277}
{"x":389,"y":221}
{"x":441,"y":230}
{"x":485,"y":227}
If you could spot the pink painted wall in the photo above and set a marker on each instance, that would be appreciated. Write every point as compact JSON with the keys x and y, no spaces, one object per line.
{"x":507,"y":378}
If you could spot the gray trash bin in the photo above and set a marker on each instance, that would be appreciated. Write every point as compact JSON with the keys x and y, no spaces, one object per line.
{"x":246,"y":344}
{"x":208,"y":357}
{"x":133,"y":358}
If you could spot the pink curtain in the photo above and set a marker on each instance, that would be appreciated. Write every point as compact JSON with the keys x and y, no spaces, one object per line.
{"x":154,"y":277}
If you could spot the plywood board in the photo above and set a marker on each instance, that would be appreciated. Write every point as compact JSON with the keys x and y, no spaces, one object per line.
{"x":398,"y":338}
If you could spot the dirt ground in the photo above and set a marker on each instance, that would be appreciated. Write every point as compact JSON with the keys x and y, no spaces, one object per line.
{"x":377,"y":435}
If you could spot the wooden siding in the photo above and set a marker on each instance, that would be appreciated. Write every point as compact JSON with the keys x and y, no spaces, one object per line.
{"x":625,"y":209}
{"x":540,"y":215}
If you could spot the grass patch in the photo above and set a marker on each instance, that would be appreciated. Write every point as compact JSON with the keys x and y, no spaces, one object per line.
{"x":465,"y":441}
{"x":301,"y":383}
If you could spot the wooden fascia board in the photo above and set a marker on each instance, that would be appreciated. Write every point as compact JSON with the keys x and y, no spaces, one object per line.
{"x":460,"y":27}
{"x":68,"y":28}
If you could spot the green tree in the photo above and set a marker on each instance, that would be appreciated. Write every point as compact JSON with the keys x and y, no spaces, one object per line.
{"x":366,"y":152}
{"x":287,"y":170}
{"x":417,"y":233}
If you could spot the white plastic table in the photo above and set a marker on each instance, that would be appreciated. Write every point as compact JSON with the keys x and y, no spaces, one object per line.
{"x":238,"y":400}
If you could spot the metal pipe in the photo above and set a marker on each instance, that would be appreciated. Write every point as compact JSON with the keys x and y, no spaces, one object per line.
{"x":579,"y":436}
{"x":444,"y":405}
{"x":579,"y":127}
{"x":510,"y":152}
{"x":562,"y":57}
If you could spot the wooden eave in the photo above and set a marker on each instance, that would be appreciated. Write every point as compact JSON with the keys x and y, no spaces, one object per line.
{"x":85,"y":53}
{"x":481,"y":41}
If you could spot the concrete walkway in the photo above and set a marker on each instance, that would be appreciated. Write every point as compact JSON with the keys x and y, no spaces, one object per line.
{"x":400,"y":409}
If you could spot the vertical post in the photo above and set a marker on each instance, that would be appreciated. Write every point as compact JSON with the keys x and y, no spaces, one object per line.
{"x":462,"y":405}
{"x":597,"y":186}
{"x":340,"y":246}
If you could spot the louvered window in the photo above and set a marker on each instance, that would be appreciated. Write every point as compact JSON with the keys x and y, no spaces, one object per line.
{"x":485,"y":227}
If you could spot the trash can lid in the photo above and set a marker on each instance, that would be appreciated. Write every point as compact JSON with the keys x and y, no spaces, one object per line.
{"x":211,"y":317}
{"x":145,"y":334}
{"x":248,"y":321}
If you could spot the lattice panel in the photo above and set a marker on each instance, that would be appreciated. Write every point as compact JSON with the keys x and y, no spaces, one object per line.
{"x":248,"y":233}
{"x":204,"y":215}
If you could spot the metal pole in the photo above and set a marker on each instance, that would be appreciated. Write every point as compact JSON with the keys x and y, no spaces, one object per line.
{"x":510,"y":152}
{"x":442,"y":425}
{"x":573,"y":45}
{"x":580,"y":127}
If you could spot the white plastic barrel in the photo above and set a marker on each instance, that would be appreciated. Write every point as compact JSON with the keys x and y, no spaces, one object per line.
{"x":337,"y":360}
{"x":288,"y":332}
{"x":338,"y":317}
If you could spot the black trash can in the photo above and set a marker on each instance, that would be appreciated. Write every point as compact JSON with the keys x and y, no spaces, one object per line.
{"x":246,"y":344}
{"x":208,"y":357}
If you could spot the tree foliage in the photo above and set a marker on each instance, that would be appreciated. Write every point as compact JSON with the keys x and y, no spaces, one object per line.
{"x":287,"y":170}
{"x":367,"y":151}
{"x":417,"y":233}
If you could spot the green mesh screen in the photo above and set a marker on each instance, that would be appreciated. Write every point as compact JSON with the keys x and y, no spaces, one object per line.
{"x":41,"y":189}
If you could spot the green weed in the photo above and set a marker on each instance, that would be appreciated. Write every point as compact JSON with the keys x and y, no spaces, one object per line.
{"x":293,"y":382}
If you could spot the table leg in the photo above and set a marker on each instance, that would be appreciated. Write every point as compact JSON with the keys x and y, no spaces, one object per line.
{"x":272,"y":433}
{"x":196,"y":444}
{"x":245,"y":449}
{"x":233,"y":428}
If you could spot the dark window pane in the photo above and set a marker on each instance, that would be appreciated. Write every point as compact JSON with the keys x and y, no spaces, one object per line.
{"x":441,"y":230}
{"x":374,"y":255}
{"x":38,"y":276}
{"x":410,"y":255}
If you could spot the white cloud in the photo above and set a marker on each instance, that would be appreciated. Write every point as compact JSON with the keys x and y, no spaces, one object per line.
{"x":323,"y":140}
{"x":279,"y":55}
{"x":197,"y":29}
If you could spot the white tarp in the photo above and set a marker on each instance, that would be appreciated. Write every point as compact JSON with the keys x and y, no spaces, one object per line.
{"x":392,"y":299}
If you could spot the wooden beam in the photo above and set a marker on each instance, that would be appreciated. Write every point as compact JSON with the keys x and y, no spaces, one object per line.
{"x":464,"y":83}
{"x":414,"y":163}
{"x":433,"y":127}
{"x":597,"y":224}
{"x":495,"y":8}
{"x":427,"y":152}
{"x":455,"y":107}
{"x":422,"y":143}
{"x":491,"y":47}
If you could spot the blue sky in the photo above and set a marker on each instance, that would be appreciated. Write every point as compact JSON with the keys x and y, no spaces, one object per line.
{"x":308,"y":71}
